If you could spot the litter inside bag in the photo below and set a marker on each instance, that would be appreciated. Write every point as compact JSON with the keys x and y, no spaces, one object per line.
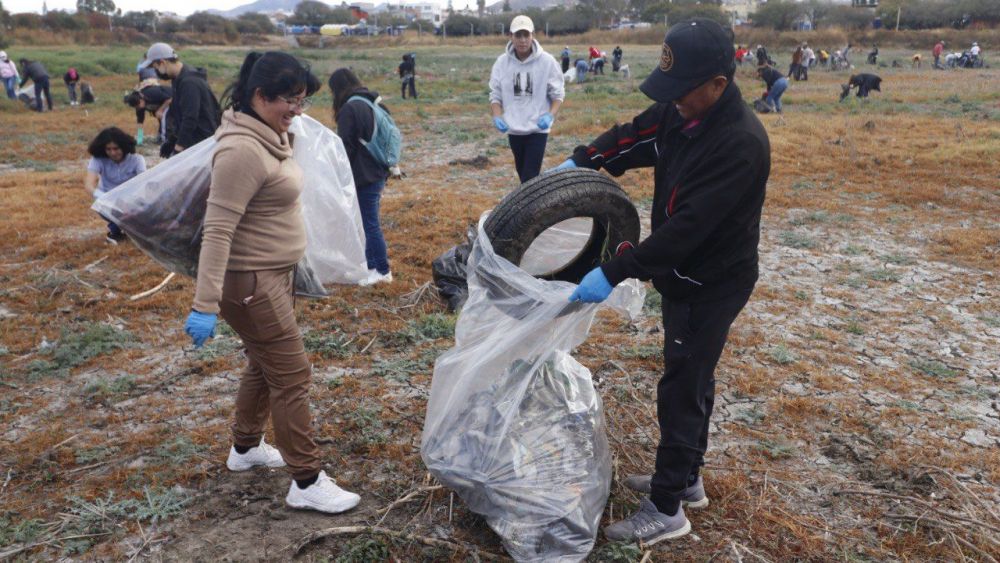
{"x":163,"y":210}
{"x":552,"y":250}
{"x":514,"y":424}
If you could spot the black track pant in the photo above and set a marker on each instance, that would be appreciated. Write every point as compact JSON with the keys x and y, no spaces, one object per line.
{"x":528,"y":153}
{"x":694,"y":336}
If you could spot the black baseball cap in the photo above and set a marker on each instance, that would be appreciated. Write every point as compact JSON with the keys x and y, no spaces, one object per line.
{"x":693,"y":52}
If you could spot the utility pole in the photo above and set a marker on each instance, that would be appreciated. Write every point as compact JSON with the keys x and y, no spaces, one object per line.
{"x":899,"y":11}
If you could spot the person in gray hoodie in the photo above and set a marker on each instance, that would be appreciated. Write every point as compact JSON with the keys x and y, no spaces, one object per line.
{"x":526,"y":90}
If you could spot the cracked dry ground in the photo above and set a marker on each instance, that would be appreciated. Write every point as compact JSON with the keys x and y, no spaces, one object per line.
{"x":856,"y":414}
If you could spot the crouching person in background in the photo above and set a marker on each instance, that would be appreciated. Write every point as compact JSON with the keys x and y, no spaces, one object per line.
{"x":113,"y":162}
{"x":254,"y":235}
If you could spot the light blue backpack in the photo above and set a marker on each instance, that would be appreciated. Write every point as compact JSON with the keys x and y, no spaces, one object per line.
{"x":387,"y":141}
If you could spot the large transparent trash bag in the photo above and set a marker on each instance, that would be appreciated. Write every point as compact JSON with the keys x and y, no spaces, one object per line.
{"x":336,"y":238}
{"x":514,"y":424}
{"x":163,"y":210}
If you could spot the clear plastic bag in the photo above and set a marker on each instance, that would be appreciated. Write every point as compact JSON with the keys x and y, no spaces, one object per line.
{"x":336,"y":239}
{"x":163,"y":210}
{"x":514,"y":424}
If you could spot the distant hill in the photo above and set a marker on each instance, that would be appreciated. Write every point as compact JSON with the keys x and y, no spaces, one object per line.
{"x":257,"y":6}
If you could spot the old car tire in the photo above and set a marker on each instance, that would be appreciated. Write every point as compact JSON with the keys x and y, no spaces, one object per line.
{"x":554,"y":197}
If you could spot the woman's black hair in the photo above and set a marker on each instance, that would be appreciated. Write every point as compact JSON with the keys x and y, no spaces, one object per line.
{"x":274,"y":74}
{"x":132,"y":98}
{"x":343,"y":84}
{"x":126,"y":142}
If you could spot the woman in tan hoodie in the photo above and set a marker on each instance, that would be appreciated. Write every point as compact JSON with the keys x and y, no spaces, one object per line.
{"x":254,"y":236}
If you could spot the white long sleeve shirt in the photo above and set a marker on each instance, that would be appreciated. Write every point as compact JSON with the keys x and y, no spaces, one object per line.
{"x":525,"y":89}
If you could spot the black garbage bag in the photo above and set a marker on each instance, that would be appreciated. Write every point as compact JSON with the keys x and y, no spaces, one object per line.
{"x":450,"y":274}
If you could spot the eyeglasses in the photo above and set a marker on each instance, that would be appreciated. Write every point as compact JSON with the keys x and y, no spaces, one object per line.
{"x":303,"y":104}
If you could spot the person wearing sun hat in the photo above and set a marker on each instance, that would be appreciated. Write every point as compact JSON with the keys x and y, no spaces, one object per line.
{"x":711,"y":159}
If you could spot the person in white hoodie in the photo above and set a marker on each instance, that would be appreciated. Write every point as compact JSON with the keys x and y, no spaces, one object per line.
{"x":526,"y":90}
{"x":8,"y":75}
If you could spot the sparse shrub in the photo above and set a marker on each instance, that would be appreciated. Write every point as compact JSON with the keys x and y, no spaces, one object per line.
{"x":370,"y":428}
{"x":104,"y":388}
{"x":776,"y":449}
{"x":86,"y":456}
{"x":851,"y":250}
{"x":933,"y":368}
{"x":432,"y":327}
{"x":782,"y":355}
{"x":796,"y":240}
{"x":654,"y":302}
{"x":642,"y":352}
{"x":752,"y":415}
{"x":398,"y":369}
{"x":329,"y":343}
{"x":854,"y":327}
{"x":76,"y":348}
{"x":179,"y":451}
{"x":883,"y":274}
{"x":363,"y":549}
{"x":616,"y":552}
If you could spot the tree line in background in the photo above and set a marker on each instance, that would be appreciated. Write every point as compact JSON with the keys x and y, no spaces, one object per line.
{"x":910,"y":14}
{"x":584,"y":16}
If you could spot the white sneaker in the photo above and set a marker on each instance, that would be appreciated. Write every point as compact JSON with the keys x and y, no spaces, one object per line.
{"x":264,"y":454}
{"x":374,"y":277}
{"x":324,"y":495}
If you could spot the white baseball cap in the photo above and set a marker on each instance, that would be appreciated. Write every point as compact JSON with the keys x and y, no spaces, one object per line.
{"x":522,"y":23}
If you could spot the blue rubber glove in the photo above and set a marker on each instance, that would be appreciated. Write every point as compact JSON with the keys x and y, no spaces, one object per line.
{"x":200,"y":327}
{"x":500,"y":124}
{"x":593,"y":288}
{"x":570,"y":163}
{"x":545,"y":121}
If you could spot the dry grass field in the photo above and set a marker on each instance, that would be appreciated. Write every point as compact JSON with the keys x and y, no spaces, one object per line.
{"x":857,"y":413}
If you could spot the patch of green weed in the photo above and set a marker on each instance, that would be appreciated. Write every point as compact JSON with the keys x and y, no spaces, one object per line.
{"x":75,"y":348}
{"x":363,"y":549}
{"x":933,"y":368}
{"x":329,"y":343}
{"x":782,"y":355}
{"x":106,"y":388}
{"x":616,"y":552}
{"x":796,"y":240}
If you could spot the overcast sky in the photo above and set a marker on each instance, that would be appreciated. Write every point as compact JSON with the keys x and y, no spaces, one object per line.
{"x":183,"y":7}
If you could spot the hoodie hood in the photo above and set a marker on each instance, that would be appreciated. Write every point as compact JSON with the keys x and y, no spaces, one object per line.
{"x":193,"y":71}
{"x":536,"y":51}
{"x":238,"y":126}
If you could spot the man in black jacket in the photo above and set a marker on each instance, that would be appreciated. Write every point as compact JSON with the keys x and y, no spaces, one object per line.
{"x":711,"y":159}
{"x":34,"y":71}
{"x":194,"y":109}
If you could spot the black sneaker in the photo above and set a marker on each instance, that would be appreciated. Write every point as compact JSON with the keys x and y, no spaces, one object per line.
{"x":115,"y":238}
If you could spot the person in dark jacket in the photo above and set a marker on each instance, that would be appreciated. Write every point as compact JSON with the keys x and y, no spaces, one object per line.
{"x":155,"y":100}
{"x":761,"y":54}
{"x":407,"y":76}
{"x":616,"y":58}
{"x":194,"y":109}
{"x":34,"y":71}
{"x":356,"y":123}
{"x":776,"y":86}
{"x":864,"y":82}
{"x":71,"y":79}
{"x":564,"y":58}
{"x":711,"y":159}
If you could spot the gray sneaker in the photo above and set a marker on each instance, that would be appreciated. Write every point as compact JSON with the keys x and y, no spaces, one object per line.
{"x":693,"y":496}
{"x":649,"y":525}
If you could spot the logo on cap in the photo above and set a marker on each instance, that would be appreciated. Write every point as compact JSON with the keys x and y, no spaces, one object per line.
{"x":666,"y":59}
